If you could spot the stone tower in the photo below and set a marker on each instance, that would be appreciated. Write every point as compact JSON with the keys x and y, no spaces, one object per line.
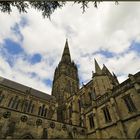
{"x":103,"y":80}
{"x":65,"y":82}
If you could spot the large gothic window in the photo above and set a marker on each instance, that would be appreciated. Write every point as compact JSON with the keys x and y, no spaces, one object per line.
{"x":17,"y":104}
{"x":29,"y":106}
{"x":25,"y":106}
{"x":10,"y":102}
{"x":129,"y":103}
{"x":32,"y":108}
{"x":39,"y":112}
{"x":45,"y":112}
{"x":106,"y":114}
{"x":42,"y":111}
{"x":60,"y":116}
{"x":14,"y":102}
{"x":91,"y":121}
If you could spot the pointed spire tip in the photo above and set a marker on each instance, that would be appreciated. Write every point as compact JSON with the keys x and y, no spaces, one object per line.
{"x":97,"y":67}
{"x":66,"y":53}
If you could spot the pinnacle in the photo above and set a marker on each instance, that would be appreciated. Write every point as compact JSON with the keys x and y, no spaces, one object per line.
{"x":97,"y":67}
{"x":105,"y":69}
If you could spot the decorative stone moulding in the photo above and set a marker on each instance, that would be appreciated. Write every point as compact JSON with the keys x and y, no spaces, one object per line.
{"x":7,"y":114}
{"x":38,"y":122}
{"x":52,"y":124}
{"x":24,"y":118}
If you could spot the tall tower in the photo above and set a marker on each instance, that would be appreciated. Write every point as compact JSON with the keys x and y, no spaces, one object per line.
{"x":66,"y":81}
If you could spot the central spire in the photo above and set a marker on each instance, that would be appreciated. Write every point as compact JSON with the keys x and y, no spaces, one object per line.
{"x":66,"y":53}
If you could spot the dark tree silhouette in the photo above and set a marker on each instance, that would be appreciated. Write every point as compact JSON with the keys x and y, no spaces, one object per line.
{"x":46,"y":7}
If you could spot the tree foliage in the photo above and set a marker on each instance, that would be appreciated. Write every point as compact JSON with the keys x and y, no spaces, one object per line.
{"x":46,"y":7}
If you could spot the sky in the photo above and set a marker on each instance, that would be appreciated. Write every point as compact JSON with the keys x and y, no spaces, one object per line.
{"x":31,"y":46}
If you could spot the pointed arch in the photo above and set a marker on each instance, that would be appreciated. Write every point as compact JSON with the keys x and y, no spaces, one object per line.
{"x":27,"y":136}
{"x":45,"y":112}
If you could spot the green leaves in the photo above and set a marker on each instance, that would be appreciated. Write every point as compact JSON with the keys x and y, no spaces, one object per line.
{"x":46,"y":7}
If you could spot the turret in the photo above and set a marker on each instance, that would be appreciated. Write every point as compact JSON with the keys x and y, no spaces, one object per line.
{"x":102,"y":79}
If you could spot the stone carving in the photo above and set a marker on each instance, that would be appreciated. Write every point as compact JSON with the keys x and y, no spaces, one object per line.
{"x":38,"y":122}
{"x":7,"y":114}
{"x":24,"y":118}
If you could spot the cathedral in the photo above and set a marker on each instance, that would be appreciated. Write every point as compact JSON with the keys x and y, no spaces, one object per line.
{"x":101,"y":108}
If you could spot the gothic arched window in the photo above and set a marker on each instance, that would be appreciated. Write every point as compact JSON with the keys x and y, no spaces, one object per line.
{"x":32,"y":108}
{"x":1,"y":98}
{"x":17,"y":104}
{"x":25,"y":106}
{"x":42,"y":111}
{"x":14,"y":102}
{"x":10,"y":102}
{"x":45,"y":112}
{"x":29,"y":106}
{"x":39,"y":112}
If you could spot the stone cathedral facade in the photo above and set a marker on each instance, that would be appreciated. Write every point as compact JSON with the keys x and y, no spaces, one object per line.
{"x":102,"y":108}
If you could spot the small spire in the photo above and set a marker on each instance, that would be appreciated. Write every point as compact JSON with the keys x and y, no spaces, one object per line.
{"x":66,"y":53}
{"x":105,"y":70}
{"x":97,"y":67}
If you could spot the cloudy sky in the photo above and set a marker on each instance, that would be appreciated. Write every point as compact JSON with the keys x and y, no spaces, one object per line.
{"x":31,"y":46}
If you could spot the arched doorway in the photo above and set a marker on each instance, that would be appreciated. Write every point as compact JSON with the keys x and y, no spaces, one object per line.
{"x":137,"y":136}
{"x":27,"y":136}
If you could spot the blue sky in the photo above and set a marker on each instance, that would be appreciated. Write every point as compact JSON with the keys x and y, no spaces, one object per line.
{"x":31,"y":46}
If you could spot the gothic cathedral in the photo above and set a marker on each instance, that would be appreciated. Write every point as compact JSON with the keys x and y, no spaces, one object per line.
{"x":101,"y":108}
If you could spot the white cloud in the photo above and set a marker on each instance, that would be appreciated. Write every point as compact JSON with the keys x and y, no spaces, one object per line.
{"x":6,"y":22}
{"x":109,"y":27}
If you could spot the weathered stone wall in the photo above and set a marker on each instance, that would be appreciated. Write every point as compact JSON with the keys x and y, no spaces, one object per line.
{"x":123,"y":124}
{"x":26,"y":124}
